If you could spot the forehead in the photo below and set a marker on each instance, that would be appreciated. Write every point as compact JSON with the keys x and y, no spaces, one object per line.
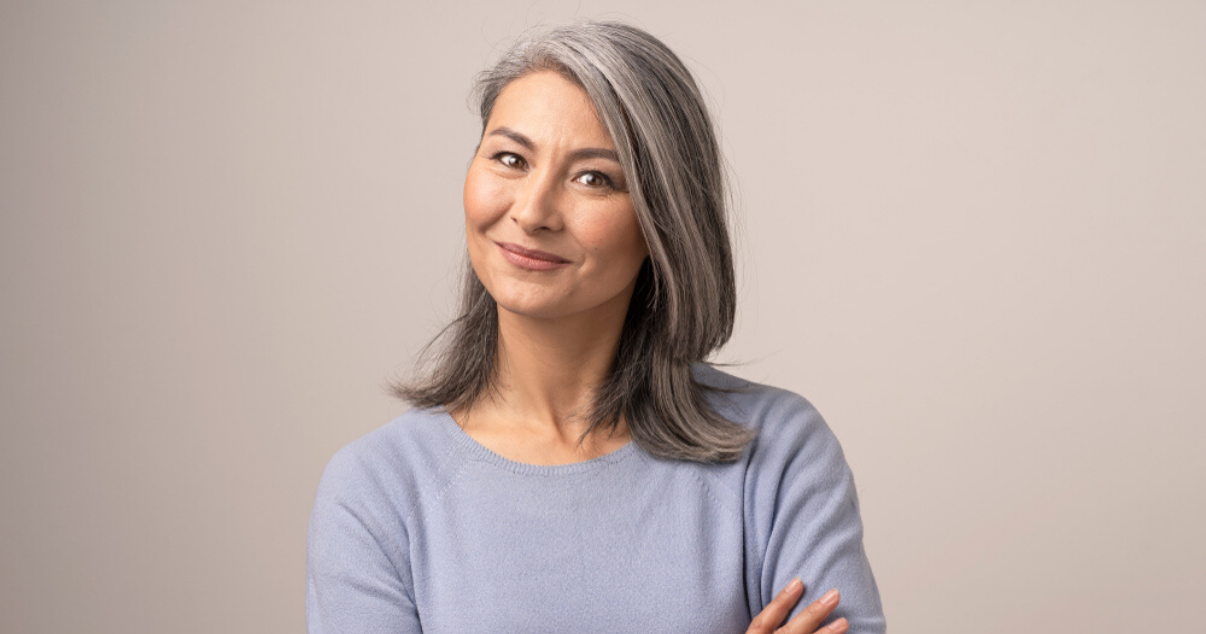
{"x":546,"y":106}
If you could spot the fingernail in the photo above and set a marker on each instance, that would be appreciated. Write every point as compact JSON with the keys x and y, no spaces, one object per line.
{"x":795,"y":586}
{"x":838,"y":625}
{"x":830,"y":599}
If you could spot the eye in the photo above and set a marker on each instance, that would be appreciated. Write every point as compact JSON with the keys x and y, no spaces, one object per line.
{"x":510,"y":159}
{"x":594,"y":179}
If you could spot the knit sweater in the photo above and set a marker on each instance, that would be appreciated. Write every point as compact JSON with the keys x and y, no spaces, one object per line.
{"x":418,"y":528}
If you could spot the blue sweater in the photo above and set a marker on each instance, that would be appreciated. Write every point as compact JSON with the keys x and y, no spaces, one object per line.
{"x":418,"y":528}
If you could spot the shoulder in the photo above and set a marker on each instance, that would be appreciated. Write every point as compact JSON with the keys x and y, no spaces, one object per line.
{"x":777,"y":415}
{"x":393,"y":462}
{"x":791,"y":435}
{"x":358,"y":546}
{"x":801,"y":509}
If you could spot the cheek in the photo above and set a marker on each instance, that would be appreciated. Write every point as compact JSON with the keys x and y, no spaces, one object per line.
{"x":620,"y":244}
{"x":485,"y":198}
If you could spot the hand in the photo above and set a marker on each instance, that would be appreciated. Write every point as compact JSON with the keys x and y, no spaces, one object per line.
{"x":806,"y":622}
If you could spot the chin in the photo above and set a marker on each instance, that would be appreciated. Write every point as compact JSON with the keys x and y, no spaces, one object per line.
{"x":534,"y":308}
{"x":535,"y":305}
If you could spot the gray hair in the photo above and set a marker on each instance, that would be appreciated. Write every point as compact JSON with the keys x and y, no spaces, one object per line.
{"x":685,"y":300}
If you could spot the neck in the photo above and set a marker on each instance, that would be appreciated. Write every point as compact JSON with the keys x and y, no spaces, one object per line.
{"x":550,"y":369}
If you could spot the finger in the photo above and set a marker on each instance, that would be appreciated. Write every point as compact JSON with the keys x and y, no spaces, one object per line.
{"x":809,"y":620}
{"x":839,"y":626}
{"x":773,"y":614}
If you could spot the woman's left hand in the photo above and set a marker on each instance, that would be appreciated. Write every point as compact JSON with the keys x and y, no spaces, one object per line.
{"x":806,"y":622}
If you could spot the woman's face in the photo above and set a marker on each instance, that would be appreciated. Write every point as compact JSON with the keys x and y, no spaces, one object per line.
{"x":549,"y":220}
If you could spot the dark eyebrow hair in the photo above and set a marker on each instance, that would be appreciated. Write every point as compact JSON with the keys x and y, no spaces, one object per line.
{"x":584,"y":153}
{"x":513,"y":135}
{"x":595,"y":152}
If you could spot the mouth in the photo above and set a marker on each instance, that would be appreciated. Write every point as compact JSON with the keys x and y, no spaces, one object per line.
{"x":531,"y":259}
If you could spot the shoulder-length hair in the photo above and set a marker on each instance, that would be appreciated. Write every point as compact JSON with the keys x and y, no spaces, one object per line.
{"x":683,"y":307}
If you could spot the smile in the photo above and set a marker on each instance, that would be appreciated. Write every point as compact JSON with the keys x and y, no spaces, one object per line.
{"x":531,"y":259}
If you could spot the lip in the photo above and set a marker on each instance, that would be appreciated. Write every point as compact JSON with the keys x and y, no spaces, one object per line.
{"x":530,"y":259}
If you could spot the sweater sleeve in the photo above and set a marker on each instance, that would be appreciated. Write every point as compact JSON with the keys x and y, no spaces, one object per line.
{"x":802,"y":517}
{"x":357,"y":566}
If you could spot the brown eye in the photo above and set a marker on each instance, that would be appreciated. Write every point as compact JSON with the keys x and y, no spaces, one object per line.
{"x":508,"y":159}
{"x":594,"y":179}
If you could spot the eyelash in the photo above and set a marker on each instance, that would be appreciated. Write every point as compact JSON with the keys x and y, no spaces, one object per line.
{"x":608,"y":183}
{"x":501,"y":155}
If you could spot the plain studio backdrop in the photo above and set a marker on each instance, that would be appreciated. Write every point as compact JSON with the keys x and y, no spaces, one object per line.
{"x":973,"y":234}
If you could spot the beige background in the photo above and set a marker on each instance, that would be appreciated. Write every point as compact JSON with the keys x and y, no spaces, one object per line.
{"x":973,"y":234}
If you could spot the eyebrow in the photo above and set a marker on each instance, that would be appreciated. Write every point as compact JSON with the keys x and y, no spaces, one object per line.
{"x":583,"y":153}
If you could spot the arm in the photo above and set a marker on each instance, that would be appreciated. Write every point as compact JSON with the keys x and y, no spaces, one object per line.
{"x":803,"y":518}
{"x":357,"y":566}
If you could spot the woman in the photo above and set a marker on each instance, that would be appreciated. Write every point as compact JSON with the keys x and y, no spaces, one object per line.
{"x":571,"y":464}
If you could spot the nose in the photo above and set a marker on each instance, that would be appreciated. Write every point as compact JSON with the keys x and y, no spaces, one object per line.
{"x":537,"y":204}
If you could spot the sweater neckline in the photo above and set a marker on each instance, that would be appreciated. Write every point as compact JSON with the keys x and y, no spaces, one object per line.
{"x":484,"y":454}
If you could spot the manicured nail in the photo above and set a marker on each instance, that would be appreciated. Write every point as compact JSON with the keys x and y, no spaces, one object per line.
{"x":794,"y":587}
{"x":830,"y":599}
{"x":838,"y":625}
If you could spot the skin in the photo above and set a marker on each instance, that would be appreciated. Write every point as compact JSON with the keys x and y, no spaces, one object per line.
{"x":545,"y":177}
{"x":808,"y":620}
